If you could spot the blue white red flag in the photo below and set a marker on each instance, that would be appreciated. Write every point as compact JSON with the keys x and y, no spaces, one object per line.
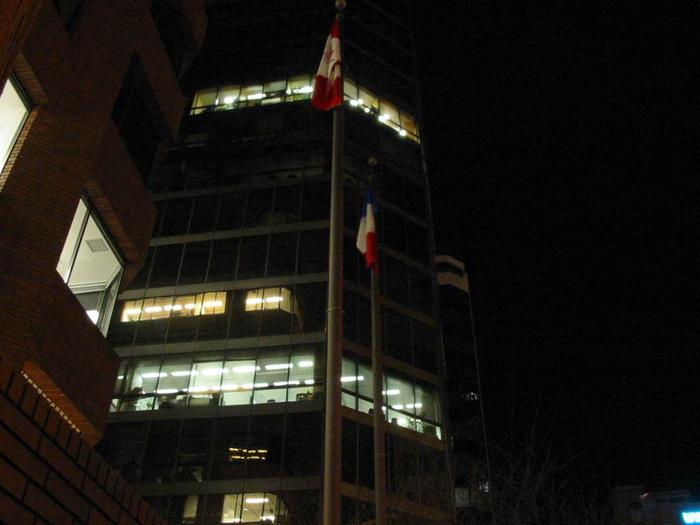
{"x":367,"y":233}
{"x":328,"y":88}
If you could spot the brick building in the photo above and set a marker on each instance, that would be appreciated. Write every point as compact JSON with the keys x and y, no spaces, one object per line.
{"x":89,"y":102}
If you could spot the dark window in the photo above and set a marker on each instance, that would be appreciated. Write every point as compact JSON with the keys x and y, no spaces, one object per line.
{"x":204,"y":214}
{"x":251,"y":259}
{"x":70,"y":12}
{"x":395,"y":279}
{"x":165,"y":266}
{"x":160,"y":451}
{"x":176,"y":217}
{"x":259,"y":207}
{"x":316,"y":201}
{"x":283,"y":251}
{"x":393,"y":230}
{"x":418,"y":247}
{"x":421,"y":291}
{"x":223,"y":260}
{"x":137,"y":116}
{"x":231,"y":211}
{"x":287,"y":200}
{"x":170,"y":21}
{"x":194,"y":263}
{"x":423,"y":338}
{"x":397,"y":336}
{"x":142,"y":277}
{"x":313,"y":251}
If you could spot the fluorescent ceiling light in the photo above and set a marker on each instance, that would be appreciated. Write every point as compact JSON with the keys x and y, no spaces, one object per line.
{"x":244,"y":369}
{"x":152,"y":309}
{"x":212,"y":304}
{"x":257,"y":500}
{"x":305,"y":364}
{"x":281,"y":366}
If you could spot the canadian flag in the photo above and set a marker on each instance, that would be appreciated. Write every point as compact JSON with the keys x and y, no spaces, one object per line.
{"x":328,"y":89}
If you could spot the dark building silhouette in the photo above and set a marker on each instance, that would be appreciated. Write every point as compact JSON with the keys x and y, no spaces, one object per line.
{"x":217,"y":413}
{"x":464,"y":392}
{"x":89,"y":102}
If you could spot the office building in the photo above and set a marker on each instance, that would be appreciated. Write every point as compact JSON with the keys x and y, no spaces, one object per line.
{"x":89,"y":100}
{"x":218,"y":411}
{"x":465,"y":397}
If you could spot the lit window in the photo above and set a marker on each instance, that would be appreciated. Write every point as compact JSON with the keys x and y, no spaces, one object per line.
{"x":91,"y":266}
{"x":253,"y":507}
{"x":189,"y":509}
{"x":277,"y":298}
{"x":389,"y":115}
{"x":13,"y":111}
{"x":252,"y":94}
{"x":228,"y":96}
{"x":203,"y":100}
{"x":236,"y":454}
{"x":153,"y":308}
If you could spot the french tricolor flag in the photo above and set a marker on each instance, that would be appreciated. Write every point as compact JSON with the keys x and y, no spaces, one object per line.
{"x":367,"y":233}
{"x":328,"y":88}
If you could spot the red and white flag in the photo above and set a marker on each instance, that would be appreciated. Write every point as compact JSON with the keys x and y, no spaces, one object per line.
{"x":367,"y":233}
{"x":328,"y":88}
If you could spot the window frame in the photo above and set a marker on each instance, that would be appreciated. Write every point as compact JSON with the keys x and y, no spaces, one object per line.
{"x":27,"y":102}
{"x":109,"y":299}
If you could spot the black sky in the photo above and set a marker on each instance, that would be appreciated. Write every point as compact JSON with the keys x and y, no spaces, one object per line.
{"x":563,"y":147}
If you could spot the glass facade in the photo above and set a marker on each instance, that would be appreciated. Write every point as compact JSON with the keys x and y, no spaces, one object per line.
{"x":90,"y":266}
{"x":13,"y":111}
{"x":218,"y":410}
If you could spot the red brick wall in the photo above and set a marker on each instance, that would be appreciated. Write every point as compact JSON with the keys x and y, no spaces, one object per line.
{"x":49,"y":473}
{"x":68,"y":147}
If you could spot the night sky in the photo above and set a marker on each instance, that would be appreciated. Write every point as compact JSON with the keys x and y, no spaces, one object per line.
{"x":563,"y":148}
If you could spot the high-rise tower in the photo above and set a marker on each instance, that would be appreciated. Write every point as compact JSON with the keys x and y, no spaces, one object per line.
{"x":218,"y":409}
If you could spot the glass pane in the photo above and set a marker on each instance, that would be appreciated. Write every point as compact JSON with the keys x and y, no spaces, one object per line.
{"x":12,"y":113}
{"x":205,"y":97}
{"x":238,"y":381}
{"x":275,"y":87}
{"x":205,"y":383}
{"x":389,"y":114}
{"x":368,"y":101}
{"x":72,"y":241}
{"x":350,"y":89}
{"x":228,"y":95}
{"x":299,"y":87}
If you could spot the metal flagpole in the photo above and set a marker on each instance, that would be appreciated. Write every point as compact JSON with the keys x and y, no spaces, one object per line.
{"x":334,"y":346}
{"x":378,"y":419}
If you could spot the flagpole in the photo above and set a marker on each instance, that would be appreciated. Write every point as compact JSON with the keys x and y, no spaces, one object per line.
{"x":380,"y":511}
{"x":334,"y":345}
